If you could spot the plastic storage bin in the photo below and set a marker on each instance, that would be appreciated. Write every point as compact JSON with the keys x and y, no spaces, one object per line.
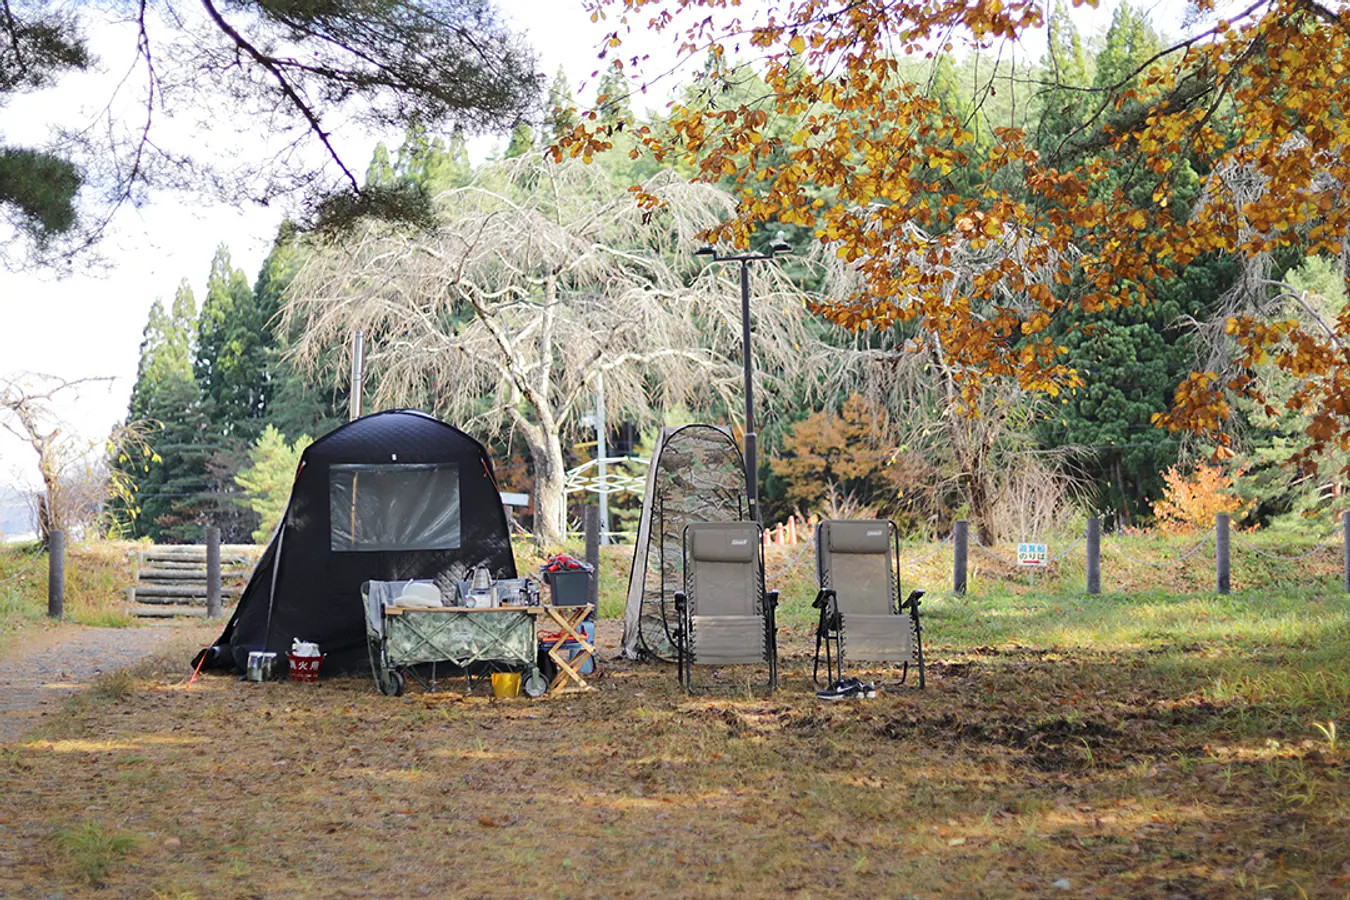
{"x":570,"y":587}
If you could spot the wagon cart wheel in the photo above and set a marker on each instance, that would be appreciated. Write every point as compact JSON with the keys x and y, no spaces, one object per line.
{"x":390,"y":683}
{"x":535,"y":684}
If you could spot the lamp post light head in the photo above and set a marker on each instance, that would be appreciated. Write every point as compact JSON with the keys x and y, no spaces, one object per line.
{"x":705,"y":250}
{"x":780,"y":244}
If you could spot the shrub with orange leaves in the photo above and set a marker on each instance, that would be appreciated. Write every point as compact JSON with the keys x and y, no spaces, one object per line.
{"x":1190,"y":502}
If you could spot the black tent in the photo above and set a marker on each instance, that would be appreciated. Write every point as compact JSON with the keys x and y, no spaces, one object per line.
{"x":392,"y":496}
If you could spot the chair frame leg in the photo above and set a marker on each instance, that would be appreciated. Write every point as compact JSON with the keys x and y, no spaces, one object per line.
{"x":828,"y":632}
{"x":913,"y":603}
{"x":918,"y":642}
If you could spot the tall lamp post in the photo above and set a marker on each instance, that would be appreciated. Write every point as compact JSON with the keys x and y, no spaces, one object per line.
{"x":780,"y":245}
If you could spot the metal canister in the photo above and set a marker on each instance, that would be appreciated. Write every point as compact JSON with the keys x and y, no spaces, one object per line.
{"x":261,"y":665}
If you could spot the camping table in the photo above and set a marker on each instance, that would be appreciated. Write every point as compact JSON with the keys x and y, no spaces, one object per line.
{"x":569,"y":680}
{"x":504,"y":635}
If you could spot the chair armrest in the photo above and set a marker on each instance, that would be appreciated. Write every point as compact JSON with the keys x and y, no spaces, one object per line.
{"x":823,"y":598}
{"x":771,"y":599}
{"x":912,"y":601}
{"x":681,"y":601}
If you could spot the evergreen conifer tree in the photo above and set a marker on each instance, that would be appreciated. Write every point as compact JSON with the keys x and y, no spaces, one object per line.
{"x":234,"y":345}
{"x":295,"y":404}
{"x":380,"y":172}
{"x":165,"y":398}
{"x":561,"y":117}
{"x":522,"y":141}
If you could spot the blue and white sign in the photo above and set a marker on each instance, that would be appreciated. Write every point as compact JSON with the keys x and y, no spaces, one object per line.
{"x":1037,"y":555}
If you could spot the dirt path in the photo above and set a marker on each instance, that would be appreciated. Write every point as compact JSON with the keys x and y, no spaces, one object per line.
{"x":40,"y":675}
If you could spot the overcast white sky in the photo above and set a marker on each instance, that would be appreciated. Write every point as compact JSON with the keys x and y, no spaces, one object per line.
{"x":89,"y":323}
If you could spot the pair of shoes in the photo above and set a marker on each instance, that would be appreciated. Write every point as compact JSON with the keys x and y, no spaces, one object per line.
{"x":848,"y":689}
{"x":842,"y":689}
{"x":864,"y":688}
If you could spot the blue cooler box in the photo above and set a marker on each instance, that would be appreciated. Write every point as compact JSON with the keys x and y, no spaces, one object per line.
{"x":572,"y":649}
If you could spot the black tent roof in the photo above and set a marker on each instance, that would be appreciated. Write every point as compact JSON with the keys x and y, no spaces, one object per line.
{"x":307,"y":584}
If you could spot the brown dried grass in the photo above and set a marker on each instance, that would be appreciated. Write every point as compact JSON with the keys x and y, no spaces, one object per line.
{"x":1016,"y":768}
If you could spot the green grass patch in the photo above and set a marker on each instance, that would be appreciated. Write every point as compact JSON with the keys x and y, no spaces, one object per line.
{"x":97,"y":576}
{"x":89,"y":851}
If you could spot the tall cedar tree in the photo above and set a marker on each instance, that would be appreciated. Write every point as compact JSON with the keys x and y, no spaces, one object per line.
{"x":166,"y":397}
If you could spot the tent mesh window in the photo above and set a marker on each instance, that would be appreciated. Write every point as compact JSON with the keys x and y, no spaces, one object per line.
{"x":392,"y":507}
{"x":698,"y":476}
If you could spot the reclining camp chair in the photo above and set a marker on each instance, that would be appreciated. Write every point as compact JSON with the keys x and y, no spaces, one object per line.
{"x":861,"y":615}
{"x":724,"y":615}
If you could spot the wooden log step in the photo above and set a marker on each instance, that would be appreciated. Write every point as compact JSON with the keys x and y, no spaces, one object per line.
{"x":191,"y":567}
{"x":184,"y":562}
{"x":168,"y":612}
{"x":198,"y":551}
{"x":147,"y":591}
{"x":136,"y":599}
{"x":182,"y":575}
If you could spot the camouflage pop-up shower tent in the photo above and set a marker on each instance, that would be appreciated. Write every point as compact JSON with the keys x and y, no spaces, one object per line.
{"x":697,"y":475}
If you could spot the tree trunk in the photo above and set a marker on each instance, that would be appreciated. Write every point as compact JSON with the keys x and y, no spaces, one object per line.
{"x":50,"y":512}
{"x":550,"y":496}
{"x":980,"y":513}
{"x":1124,"y":498}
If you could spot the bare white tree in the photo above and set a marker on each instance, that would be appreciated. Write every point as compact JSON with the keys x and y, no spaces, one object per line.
{"x":26,"y":410}
{"x":540,"y":277}
{"x":1255,"y":291}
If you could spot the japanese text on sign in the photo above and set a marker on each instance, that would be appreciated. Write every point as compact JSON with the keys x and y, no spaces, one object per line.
{"x":1033,"y":555}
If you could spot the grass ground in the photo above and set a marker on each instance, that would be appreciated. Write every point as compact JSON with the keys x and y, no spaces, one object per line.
{"x":1154,"y":742}
{"x":1162,"y":742}
{"x":97,"y":576}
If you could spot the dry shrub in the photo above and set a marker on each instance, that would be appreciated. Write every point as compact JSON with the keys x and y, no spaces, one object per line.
{"x":1033,"y":499}
{"x":835,"y":460}
{"x":1190,"y":502}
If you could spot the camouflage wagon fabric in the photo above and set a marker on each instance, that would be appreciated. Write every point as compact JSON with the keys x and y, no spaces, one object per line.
{"x":428,"y":636}
{"x":697,"y":475}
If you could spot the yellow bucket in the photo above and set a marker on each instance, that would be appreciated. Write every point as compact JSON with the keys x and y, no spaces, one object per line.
{"x":506,"y":685}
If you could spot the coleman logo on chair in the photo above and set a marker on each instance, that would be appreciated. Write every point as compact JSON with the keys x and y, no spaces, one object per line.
{"x":739,"y":542}
{"x":875,"y":533}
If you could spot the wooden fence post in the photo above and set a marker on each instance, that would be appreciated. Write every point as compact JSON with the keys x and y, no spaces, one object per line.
{"x":1223,"y":571}
{"x":212,"y":572}
{"x":961,"y":538}
{"x":1345,"y":537}
{"x":591,"y":525}
{"x":56,"y":574}
{"x":1094,"y":555}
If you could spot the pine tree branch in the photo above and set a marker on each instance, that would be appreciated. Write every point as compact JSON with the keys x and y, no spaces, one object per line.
{"x":272,"y":65}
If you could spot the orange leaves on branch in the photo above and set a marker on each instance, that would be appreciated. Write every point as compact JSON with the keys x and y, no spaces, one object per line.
{"x":1191,"y":501}
{"x":1276,"y":174}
